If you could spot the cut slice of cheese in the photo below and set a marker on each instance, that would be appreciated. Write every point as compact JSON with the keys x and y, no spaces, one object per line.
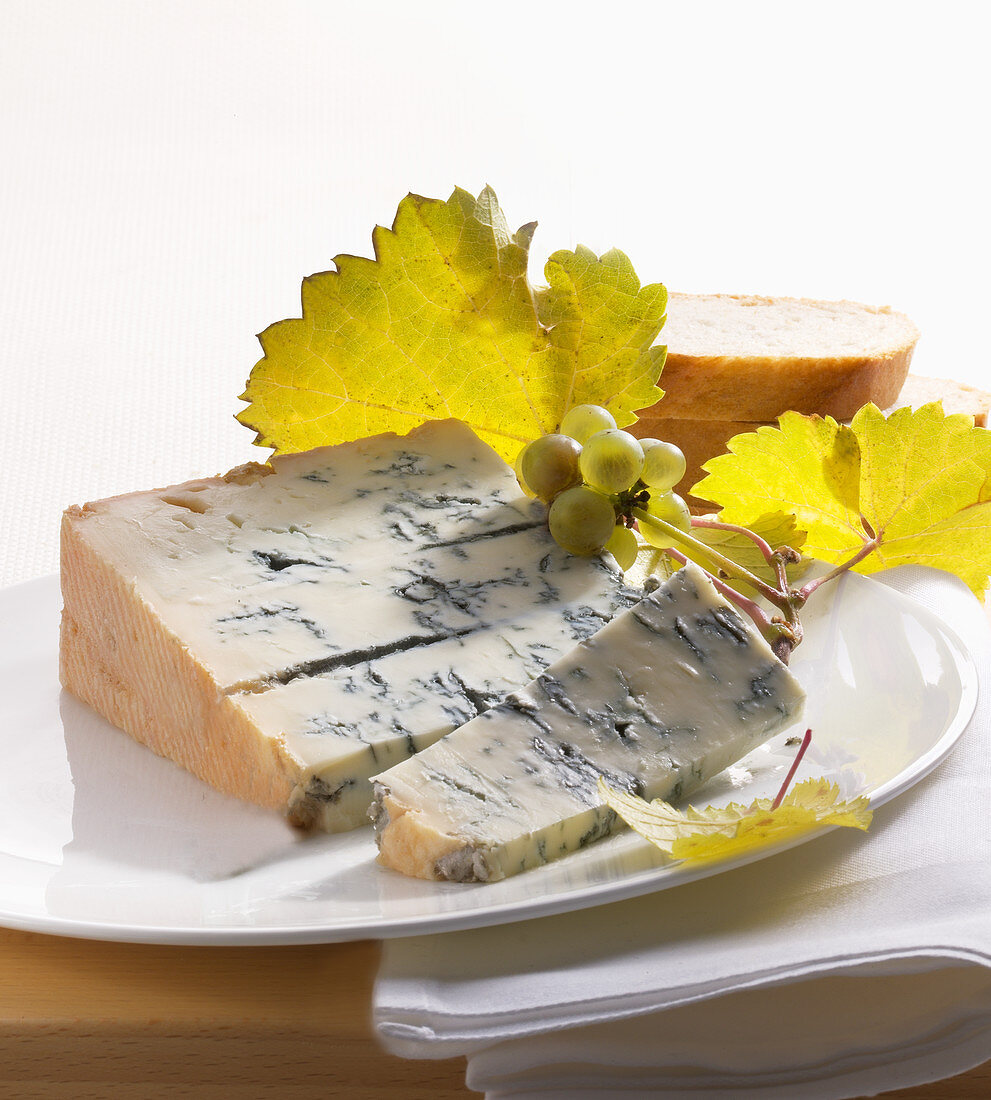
{"x":664,"y":697}
{"x":286,"y":631}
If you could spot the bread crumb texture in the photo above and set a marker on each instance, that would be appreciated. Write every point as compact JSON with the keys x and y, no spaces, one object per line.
{"x":750,"y":358}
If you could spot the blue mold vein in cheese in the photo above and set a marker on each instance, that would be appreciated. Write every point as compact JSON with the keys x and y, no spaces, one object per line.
{"x":284,"y":632}
{"x":667,"y":695}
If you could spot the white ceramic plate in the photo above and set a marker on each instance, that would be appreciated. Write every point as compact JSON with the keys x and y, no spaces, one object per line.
{"x":99,"y":838}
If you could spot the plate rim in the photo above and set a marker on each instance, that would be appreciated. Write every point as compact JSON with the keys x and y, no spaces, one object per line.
{"x":639,"y":883}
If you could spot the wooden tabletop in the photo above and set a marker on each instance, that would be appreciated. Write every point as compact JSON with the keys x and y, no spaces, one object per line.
{"x":89,"y":1020}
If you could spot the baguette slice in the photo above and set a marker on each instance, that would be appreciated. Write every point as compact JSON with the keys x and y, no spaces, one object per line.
{"x":956,"y":397}
{"x":738,"y":357}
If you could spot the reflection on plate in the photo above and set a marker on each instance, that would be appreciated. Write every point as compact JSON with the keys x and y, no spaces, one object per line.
{"x":99,"y":838}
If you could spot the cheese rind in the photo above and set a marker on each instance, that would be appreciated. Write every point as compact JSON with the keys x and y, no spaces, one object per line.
{"x":666,"y":696}
{"x":285,"y":632}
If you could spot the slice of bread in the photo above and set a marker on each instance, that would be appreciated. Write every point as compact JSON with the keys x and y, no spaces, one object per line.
{"x":739,"y":357}
{"x":701,"y":439}
{"x":956,"y":397}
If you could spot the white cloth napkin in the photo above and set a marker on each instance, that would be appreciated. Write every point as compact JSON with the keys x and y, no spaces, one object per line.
{"x":851,"y":965}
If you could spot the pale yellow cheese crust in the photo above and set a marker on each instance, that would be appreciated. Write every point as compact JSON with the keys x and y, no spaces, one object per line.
{"x":409,"y":844}
{"x":117,"y":656}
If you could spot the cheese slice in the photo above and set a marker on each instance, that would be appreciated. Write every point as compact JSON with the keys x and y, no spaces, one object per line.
{"x":286,"y":631}
{"x":666,"y":696}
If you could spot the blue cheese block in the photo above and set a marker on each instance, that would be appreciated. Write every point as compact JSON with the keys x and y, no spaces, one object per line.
{"x":664,"y":697}
{"x":286,"y":631}
{"x":347,"y":724}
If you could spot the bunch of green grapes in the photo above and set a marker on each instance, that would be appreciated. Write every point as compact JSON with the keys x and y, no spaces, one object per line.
{"x":593,"y":474}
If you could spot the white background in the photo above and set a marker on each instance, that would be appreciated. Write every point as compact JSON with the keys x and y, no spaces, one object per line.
{"x":171,"y":171}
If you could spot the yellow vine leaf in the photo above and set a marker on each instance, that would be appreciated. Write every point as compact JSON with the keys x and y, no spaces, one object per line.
{"x":445,"y":323}
{"x":917,"y":482}
{"x":721,"y":832}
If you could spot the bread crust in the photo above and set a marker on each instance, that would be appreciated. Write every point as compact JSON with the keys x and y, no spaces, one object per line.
{"x":715,"y":371}
{"x":724,"y":387}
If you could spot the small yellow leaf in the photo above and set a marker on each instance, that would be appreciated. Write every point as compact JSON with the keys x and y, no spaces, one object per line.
{"x":720,"y":832}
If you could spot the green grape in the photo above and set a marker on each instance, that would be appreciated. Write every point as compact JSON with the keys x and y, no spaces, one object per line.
{"x":550,"y":464}
{"x":672,"y":509}
{"x":663,"y":464}
{"x":611,"y":461}
{"x":581,"y":520}
{"x":518,"y":470}
{"x":583,"y":421}
{"x":623,"y":546}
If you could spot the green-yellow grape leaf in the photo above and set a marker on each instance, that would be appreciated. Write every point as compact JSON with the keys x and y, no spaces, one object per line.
{"x":722,"y":832}
{"x":445,"y":323}
{"x":917,"y":482}
{"x":605,"y":324}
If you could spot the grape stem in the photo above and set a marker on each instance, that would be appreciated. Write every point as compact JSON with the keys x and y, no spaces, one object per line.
{"x":718,"y":525}
{"x":783,"y":632}
{"x":751,"y":607}
{"x":806,"y":741}
{"x":778,"y":559}
{"x":868,"y":548}
{"x":730,"y":568}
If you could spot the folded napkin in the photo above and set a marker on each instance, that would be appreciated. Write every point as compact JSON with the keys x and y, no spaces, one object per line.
{"x":854,"y":964}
